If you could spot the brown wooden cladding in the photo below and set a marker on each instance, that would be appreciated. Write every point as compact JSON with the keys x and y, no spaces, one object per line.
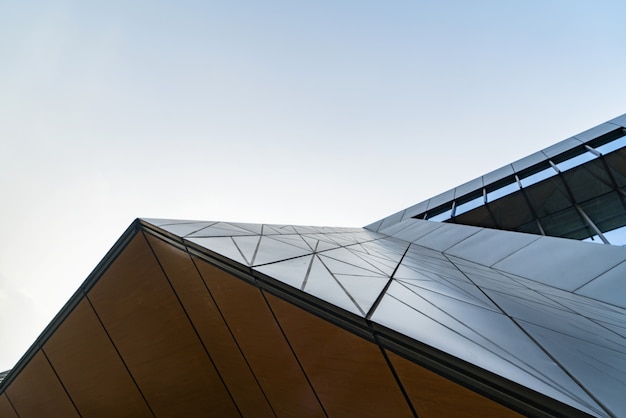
{"x":349,"y":374}
{"x":213,"y":330}
{"x":36,"y":392}
{"x":90,"y":368}
{"x":263,"y":344}
{"x":150,"y":329}
{"x":163,"y":333}
{"x":435,"y":396}
{"x":6,"y":410}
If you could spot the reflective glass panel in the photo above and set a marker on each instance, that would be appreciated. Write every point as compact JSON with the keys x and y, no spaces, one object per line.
{"x":502,"y":191}
{"x":441,"y":216}
{"x":467,"y":206}
{"x":511,"y":211}
{"x":530,"y":228}
{"x":588,"y":181}
{"x":575,"y":161}
{"x":617,"y":164}
{"x":549,"y":196}
{"x":566,"y":223}
{"x":479,"y":216}
{"x":612,"y":146}
{"x":537,"y":177}
{"x":608,"y":212}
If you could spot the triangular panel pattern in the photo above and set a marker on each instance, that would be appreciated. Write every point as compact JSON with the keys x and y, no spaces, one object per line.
{"x":322,"y":284}
{"x":462,"y":294}
{"x":363,"y":289}
{"x":222,"y":245}
{"x":414,"y":315}
{"x":220,"y":229}
{"x":273,"y":248}
{"x":292,"y":272}
{"x":525,"y":305}
{"x":183,"y":228}
{"x":248,"y":246}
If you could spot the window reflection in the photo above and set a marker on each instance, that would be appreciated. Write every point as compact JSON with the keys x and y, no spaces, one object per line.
{"x":547,"y":205}
{"x":612,"y":146}
{"x":469,"y":205}
{"x":443,"y":216}
{"x":502,"y":191}
{"x":537,"y":177}
{"x":575,"y":161}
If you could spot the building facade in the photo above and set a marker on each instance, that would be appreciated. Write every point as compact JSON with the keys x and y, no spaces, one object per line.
{"x":501,"y":297}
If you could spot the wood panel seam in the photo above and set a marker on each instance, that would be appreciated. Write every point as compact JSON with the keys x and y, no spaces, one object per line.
{"x":293,"y":351}
{"x":206,"y":351}
{"x":231,"y":332}
{"x":120,"y":356}
{"x":60,"y":382}
{"x":11,"y":403}
{"x":396,"y":377}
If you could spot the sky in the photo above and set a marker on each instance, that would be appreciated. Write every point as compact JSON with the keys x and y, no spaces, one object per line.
{"x":333,"y":113}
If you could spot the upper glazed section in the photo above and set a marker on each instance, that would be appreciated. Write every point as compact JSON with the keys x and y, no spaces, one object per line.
{"x":572,"y":189}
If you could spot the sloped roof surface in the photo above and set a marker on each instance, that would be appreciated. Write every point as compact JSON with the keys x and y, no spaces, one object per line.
{"x":542,"y":312}
{"x":535,"y":322}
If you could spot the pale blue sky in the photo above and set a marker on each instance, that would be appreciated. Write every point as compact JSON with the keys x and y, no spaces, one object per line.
{"x":323,"y":113}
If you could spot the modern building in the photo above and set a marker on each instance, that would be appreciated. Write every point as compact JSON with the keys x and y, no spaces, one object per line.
{"x":502,"y":297}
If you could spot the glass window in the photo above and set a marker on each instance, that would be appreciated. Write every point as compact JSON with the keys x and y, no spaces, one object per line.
{"x":548,"y":196}
{"x":575,"y":161}
{"x":607,"y":213}
{"x":537,"y":177}
{"x":566,"y":223}
{"x":467,"y":206}
{"x":588,"y":181}
{"x":512,"y":211}
{"x":479,"y":216}
{"x":530,"y":228}
{"x":440,"y":216}
{"x":612,"y":146}
{"x":502,"y":191}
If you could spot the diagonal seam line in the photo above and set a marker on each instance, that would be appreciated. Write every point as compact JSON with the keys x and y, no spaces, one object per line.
{"x":392,"y":369}
{"x":258,"y":245}
{"x":342,"y":287}
{"x":293,"y":351}
{"x":11,"y":403}
{"x":238,"y":249}
{"x":569,"y":309}
{"x":198,"y":230}
{"x":482,"y":346}
{"x":597,"y":277}
{"x":219,"y":310}
{"x":193,"y":326}
{"x":60,"y":381}
{"x":308,"y":271}
{"x":534,"y":341}
{"x":384,"y":291}
{"x":117,"y":351}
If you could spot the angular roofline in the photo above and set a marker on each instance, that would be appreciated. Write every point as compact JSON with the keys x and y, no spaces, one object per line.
{"x":602,"y":133}
{"x":497,"y":388}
